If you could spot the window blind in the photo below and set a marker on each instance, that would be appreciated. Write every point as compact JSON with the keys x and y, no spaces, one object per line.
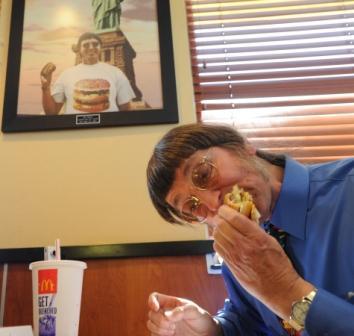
{"x":282,"y":72}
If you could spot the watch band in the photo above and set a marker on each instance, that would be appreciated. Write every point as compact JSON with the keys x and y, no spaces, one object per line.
{"x":305,"y":302}
{"x":310,"y":296}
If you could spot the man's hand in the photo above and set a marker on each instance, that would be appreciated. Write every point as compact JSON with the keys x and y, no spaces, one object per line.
{"x":257,"y":261}
{"x":46,"y":75}
{"x":173,"y":316}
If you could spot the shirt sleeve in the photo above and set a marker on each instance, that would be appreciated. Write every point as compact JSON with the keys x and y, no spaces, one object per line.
{"x":238,"y":317}
{"x":233,"y":324}
{"x":329,"y":315}
{"x":58,"y":90}
{"x":125,"y":92}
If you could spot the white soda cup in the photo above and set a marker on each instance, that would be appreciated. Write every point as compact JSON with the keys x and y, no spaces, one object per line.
{"x":57,"y":288}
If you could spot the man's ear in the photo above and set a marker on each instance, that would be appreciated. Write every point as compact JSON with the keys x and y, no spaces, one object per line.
{"x":75,"y":48}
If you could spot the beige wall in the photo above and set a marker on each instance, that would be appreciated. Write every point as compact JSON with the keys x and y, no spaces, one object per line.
{"x":87,"y":186}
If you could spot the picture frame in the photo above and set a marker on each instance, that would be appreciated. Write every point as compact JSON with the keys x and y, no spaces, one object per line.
{"x":30,"y":39}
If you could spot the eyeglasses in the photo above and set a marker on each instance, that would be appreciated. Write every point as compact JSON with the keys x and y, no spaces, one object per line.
{"x":87,"y":45}
{"x":204,"y":176}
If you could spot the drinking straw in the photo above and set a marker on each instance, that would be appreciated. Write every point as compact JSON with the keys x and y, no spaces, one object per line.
{"x":57,"y":249}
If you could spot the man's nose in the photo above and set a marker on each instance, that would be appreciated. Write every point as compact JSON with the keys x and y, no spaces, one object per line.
{"x":211,"y":198}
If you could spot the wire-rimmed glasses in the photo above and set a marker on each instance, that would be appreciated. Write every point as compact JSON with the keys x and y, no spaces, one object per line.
{"x":203,"y":177}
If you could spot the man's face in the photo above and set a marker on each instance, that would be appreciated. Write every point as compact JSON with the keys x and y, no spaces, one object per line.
{"x":90,"y":50}
{"x":230,"y":170}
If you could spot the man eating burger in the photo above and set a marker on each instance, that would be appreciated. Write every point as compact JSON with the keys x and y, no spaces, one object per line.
{"x":287,"y":270}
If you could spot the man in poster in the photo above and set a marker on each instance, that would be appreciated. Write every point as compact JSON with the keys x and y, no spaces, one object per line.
{"x":88,"y":87}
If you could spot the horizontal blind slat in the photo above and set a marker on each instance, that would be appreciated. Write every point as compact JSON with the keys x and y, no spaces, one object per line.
{"x":274,"y":87}
{"x":281,"y":9}
{"x":205,"y":6}
{"x":339,"y":22}
{"x":343,"y":59}
{"x":287,"y":111}
{"x":314,"y":151}
{"x":323,"y":130}
{"x":234,"y":21}
{"x":288,"y":121}
{"x":303,"y":141}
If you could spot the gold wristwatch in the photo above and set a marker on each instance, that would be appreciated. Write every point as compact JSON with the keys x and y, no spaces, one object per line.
{"x":299,"y":310}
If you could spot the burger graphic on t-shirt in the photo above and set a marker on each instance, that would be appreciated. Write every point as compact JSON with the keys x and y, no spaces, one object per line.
{"x":91,"y":95}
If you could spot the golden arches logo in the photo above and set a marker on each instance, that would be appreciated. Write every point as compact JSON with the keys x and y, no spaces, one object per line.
{"x":47,"y":281}
{"x":46,"y":286}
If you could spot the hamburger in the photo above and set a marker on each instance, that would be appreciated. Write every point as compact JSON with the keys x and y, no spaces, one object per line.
{"x":242,"y":201}
{"x":91,"y":95}
{"x":48,"y":69}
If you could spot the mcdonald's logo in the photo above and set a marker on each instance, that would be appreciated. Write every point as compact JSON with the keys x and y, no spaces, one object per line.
{"x":47,"y":281}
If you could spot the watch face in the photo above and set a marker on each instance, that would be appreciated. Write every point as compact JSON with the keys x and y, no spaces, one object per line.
{"x":299,"y":311}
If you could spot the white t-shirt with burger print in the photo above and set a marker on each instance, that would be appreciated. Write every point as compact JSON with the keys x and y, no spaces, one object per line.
{"x":85,"y":88}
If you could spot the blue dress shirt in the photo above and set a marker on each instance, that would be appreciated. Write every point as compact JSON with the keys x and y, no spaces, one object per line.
{"x":316,"y":209}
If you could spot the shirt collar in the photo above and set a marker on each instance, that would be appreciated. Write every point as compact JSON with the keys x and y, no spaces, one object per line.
{"x":290,"y":210}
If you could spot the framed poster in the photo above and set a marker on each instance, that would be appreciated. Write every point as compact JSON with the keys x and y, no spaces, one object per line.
{"x":76,"y":64}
